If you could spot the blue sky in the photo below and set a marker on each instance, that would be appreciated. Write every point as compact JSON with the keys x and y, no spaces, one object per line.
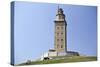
{"x":34,"y":29}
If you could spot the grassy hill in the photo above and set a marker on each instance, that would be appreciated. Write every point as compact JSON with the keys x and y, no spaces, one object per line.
{"x":63,"y":59}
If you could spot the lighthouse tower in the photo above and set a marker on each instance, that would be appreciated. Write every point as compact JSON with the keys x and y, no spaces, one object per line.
{"x":60,"y":43}
{"x":60,"y":38}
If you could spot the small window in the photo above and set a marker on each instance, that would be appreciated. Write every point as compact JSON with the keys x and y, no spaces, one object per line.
{"x":61,"y":39}
{"x":61,"y":33}
{"x":61,"y":46}
{"x":57,"y":27}
{"x":57,"y":39}
{"x":57,"y":33}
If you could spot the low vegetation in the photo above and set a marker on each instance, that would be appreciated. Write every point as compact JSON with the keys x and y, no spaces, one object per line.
{"x":62,"y":59}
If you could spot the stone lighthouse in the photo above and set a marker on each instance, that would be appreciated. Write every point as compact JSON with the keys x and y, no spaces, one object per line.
{"x":60,"y":38}
{"x":60,"y":43}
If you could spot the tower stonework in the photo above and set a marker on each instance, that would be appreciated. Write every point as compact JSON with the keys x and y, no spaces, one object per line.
{"x":60,"y":43}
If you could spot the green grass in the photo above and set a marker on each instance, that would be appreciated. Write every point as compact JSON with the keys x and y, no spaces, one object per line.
{"x":63,"y":59}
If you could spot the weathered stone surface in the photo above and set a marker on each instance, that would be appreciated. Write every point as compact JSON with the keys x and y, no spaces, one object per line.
{"x":60,"y":43}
